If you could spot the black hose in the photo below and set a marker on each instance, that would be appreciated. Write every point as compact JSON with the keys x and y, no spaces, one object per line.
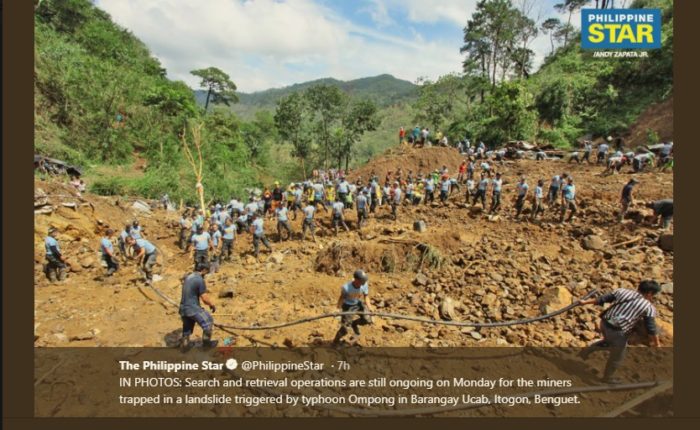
{"x":392,"y":316}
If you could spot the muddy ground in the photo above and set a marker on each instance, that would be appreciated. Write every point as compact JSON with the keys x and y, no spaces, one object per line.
{"x":485,"y":268}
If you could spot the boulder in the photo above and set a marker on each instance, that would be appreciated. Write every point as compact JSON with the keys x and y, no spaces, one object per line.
{"x":447,"y":309}
{"x":141,"y":206}
{"x":226,"y":293}
{"x":667,"y":288}
{"x":276,"y":257}
{"x":421,"y":280}
{"x":489,"y":299}
{"x":420,"y":226}
{"x":554,"y":298}
{"x":593,"y":243}
{"x":87,"y":262}
{"x":666,"y":242}
{"x":73,"y":265}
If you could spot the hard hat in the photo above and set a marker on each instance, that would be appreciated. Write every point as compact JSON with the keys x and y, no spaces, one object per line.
{"x":360,"y":275}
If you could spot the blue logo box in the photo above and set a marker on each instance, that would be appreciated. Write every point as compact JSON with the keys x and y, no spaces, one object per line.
{"x":620,"y":28}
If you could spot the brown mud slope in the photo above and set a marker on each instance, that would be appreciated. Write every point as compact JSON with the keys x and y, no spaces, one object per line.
{"x":474,"y":267}
{"x":420,"y":160}
{"x":657,"y":117}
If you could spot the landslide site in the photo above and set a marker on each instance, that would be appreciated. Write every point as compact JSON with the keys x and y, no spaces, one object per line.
{"x":467,"y":266}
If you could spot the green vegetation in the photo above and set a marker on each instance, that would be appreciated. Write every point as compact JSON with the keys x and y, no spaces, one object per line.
{"x":383,"y":90}
{"x":496,"y":99}
{"x":103,"y":102}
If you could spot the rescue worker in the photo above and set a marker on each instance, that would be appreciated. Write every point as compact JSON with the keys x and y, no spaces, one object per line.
{"x":481,"y":191}
{"x":496,"y":193}
{"x":258,"y":231}
{"x":146,"y":256}
{"x":354,"y":297}
{"x":185,"y":228}
{"x":228,"y":240}
{"x":337,"y":217}
{"x":663,"y":209}
{"x":202,"y":243}
{"x":395,"y":200}
{"x":55,"y":261}
{"x":191,"y":312}
{"x":627,"y":198}
{"x":216,"y":243}
{"x":538,"y":204}
{"x":568,"y":199}
{"x":523,"y":189}
{"x":122,"y":241}
{"x":282,"y":214}
{"x":308,"y":223}
{"x":627,"y":308}
{"x":108,"y":252}
{"x":361,"y":205}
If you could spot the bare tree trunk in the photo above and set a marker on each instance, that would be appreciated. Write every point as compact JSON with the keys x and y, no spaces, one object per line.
{"x":206,"y":104}
{"x":551,"y":39}
{"x":195,"y":164}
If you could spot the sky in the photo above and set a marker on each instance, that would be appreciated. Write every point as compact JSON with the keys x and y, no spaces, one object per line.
{"x":265,"y":44}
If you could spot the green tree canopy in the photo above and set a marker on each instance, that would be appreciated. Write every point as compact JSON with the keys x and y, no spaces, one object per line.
{"x":220,"y":88}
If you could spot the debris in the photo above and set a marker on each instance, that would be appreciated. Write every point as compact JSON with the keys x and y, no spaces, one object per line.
{"x":421,"y":280}
{"x":141,"y":206}
{"x":276,"y":257}
{"x":87,"y":262}
{"x":593,"y":243}
{"x":554,"y":298}
{"x":447,"y":309}
{"x":420,"y":226}
{"x":226,"y":293}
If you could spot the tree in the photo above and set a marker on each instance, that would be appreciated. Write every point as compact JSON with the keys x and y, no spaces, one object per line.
{"x":291,"y":122}
{"x":220,"y":87}
{"x":550,"y":26}
{"x":521,"y":55}
{"x":257,"y":133}
{"x":360,"y":118}
{"x":569,"y":6}
{"x":438,"y":99}
{"x":491,"y":39}
{"x":326,"y":103}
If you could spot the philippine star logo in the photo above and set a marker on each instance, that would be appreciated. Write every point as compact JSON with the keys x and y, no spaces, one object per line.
{"x":628,"y":32}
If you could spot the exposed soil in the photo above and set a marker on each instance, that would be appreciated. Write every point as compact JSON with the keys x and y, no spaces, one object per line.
{"x":491,"y":268}
{"x":658,"y":118}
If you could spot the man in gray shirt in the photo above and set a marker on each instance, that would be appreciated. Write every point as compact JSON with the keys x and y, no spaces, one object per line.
{"x":191,"y":312}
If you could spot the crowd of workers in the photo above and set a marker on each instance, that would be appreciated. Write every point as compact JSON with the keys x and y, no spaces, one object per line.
{"x":209,"y":235}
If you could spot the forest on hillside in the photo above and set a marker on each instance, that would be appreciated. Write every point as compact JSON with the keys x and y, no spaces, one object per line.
{"x":103,"y":101}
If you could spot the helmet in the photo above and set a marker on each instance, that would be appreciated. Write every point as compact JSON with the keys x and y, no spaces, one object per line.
{"x":360,"y":275}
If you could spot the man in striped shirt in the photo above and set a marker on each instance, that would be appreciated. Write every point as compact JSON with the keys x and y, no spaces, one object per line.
{"x":617,"y":322}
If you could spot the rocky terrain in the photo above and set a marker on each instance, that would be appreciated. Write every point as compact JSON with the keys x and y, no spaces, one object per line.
{"x":466,"y":266}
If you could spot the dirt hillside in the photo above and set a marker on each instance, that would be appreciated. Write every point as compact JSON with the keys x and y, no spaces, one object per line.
{"x":658,"y":118}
